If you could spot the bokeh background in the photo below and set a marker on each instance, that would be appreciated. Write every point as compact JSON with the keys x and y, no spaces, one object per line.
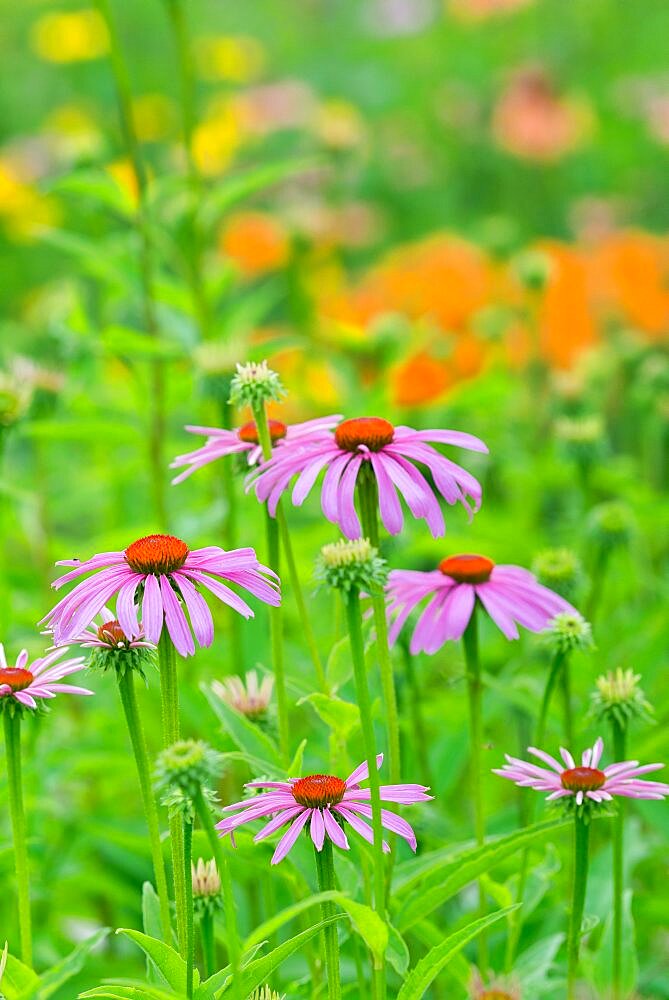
{"x":445,"y":213}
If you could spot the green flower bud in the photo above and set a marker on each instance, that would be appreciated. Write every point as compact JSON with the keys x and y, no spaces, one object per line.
{"x":185,"y":768}
{"x":559,"y":569}
{"x":266,"y":993}
{"x":619,"y":699}
{"x":581,"y":438}
{"x":346,"y":565}
{"x":567,"y":632}
{"x":207,"y":896}
{"x":533,"y":269}
{"x":255,"y":383}
{"x":611,"y":524}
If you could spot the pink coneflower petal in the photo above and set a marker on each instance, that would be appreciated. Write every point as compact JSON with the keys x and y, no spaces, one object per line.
{"x":361,"y":773}
{"x":334,"y":831}
{"x":290,"y":837}
{"x":359,"y":825}
{"x":275,"y":824}
{"x":25,"y":682}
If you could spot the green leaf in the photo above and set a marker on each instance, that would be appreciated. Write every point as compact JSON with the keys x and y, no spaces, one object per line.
{"x":170,"y":965}
{"x":260,"y":971}
{"x":342,"y":717}
{"x":18,"y":980}
{"x":247,"y":736}
{"x":265,"y":930}
{"x":96,"y":185}
{"x":339,"y":667}
{"x":96,"y":260}
{"x":449,"y":873}
{"x":233,"y":190}
{"x":369,"y":925}
{"x":151,"y":912}
{"x":82,"y":429}
{"x":132,"y":990}
{"x":296,"y":762}
{"x":70,"y":966}
{"x":397,"y":952}
{"x":429,"y":967}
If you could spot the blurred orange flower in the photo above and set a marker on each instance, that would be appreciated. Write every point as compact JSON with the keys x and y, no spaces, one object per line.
{"x":256,"y":242}
{"x":630,"y":273}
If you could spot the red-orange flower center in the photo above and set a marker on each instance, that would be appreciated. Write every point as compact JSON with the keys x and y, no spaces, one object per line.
{"x":249,"y":432}
{"x":583,"y":779}
{"x":319,"y":790}
{"x":495,"y":995}
{"x":112,"y":634}
{"x":16,"y":678}
{"x":373,"y":432}
{"x":156,"y":554}
{"x":467,"y":568}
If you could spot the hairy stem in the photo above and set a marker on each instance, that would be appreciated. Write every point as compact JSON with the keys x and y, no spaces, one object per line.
{"x":12,"y":722}
{"x":579,"y":886}
{"x":619,"y":753}
{"x":326,"y":881}
{"x":126,"y":687}
{"x":188,"y":879}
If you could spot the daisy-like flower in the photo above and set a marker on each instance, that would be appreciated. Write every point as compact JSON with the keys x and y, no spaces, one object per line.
{"x":167,"y":575}
{"x":496,"y":989}
{"x":110,"y":635}
{"x":585,"y":780}
{"x":24,"y":682}
{"x":244,"y":440}
{"x":327,"y":804}
{"x":246,"y":696}
{"x":391,"y":454}
{"x":511,"y":596}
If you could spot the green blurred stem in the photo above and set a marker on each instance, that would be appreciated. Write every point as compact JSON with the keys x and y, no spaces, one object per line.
{"x":417,"y":720}
{"x":126,"y":687}
{"x":230,"y":537}
{"x":188,"y":879}
{"x":619,"y":753}
{"x":12,"y":720}
{"x":597,"y":576}
{"x":565,"y":687}
{"x":275,"y":614}
{"x":147,"y":263}
{"x":475,"y":692}
{"x":169,"y":691}
{"x":354,"y":621}
{"x":208,"y":943}
{"x":579,"y":887}
{"x":369,"y":506}
{"x":204,"y":815}
{"x":559,"y":664}
{"x":326,"y":882}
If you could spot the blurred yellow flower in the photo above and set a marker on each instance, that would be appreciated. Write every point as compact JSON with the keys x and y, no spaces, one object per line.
{"x":123,"y":173}
{"x":238,"y":59}
{"x":154,"y":117}
{"x":339,"y":124}
{"x":23,"y":209}
{"x":75,"y":36}
{"x":75,"y":131}
{"x":216,"y":139}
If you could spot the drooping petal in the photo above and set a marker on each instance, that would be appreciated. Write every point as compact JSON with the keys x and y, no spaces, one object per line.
{"x":290,"y":837}
{"x":175,"y":619}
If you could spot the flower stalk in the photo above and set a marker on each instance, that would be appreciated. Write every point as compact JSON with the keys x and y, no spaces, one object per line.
{"x":126,"y":687}
{"x":368,"y":496}
{"x":581,"y":843}
{"x":475,"y":696}
{"x":190,"y":926}
{"x":619,"y":731}
{"x":12,"y":725}
{"x":326,"y":882}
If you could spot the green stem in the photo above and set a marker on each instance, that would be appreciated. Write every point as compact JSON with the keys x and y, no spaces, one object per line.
{"x":18,"y":821}
{"x":565,"y":686}
{"x":188,"y":878}
{"x":619,"y":753}
{"x":597,"y":576}
{"x":169,"y":690}
{"x":326,"y":881}
{"x":147,"y":264}
{"x":208,"y":943}
{"x":126,"y":687}
{"x":369,"y":503}
{"x":354,"y":620}
{"x":475,"y":693}
{"x":275,"y":614}
{"x":579,"y":886}
{"x":230,"y":539}
{"x":515,"y":924}
{"x":220,"y":857}
{"x":296,"y":586}
{"x":417,"y":720}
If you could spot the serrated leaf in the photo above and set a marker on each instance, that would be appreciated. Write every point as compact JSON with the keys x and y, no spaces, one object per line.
{"x":247,"y":736}
{"x":70,"y":966}
{"x":342,"y":717}
{"x":429,"y":967}
{"x":450,"y":873}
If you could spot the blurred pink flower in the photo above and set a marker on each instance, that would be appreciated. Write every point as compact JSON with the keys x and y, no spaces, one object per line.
{"x":25,"y":682}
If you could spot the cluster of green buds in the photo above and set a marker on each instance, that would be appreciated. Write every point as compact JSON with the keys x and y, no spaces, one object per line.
{"x":185,"y":769}
{"x":618,"y":699}
{"x":582,"y":438}
{"x":255,"y":383}
{"x":207,"y":897}
{"x":352,"y":565}
{"x":567,"y":632}
{"x":610,"y":525}
{"x":560,"y":570}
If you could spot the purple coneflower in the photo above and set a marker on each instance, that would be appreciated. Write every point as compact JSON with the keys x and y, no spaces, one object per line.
{"x":584,"y":781}
{"x":510,"y":595}
{"x":110,"y":635}
{"x":245,"y":440}
{"x":391,"y":454}
{"x":324,"y":802}
{"x":496,"y":989}
{"x":25,"y":682}
{"x":161,"y":567}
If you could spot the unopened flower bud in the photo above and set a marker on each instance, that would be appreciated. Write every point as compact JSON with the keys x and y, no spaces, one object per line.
{"x":568,"y":631}
{"x":266,"y":993}
{"x":560,"y":570}
{"x":611,"y":524}
{"x":346,"y":565}
{"x":619,"y":699}
{"x":246,"y":696}
{"x":185,"y":768}
{"x":254,"y":383}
